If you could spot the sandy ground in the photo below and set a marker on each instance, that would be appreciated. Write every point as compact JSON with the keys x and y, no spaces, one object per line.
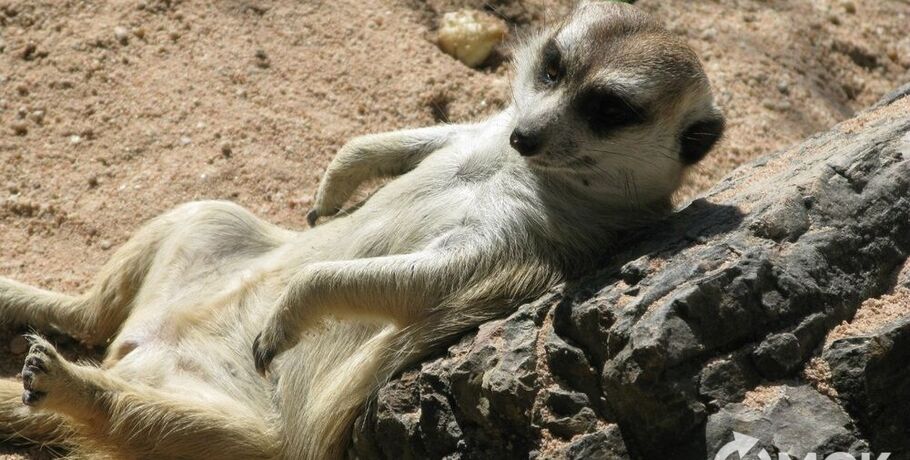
{"x":112,"y":112}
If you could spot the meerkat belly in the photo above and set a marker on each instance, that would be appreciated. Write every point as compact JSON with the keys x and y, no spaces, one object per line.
{"x":214,"y":303}
{"x":197,"y":348}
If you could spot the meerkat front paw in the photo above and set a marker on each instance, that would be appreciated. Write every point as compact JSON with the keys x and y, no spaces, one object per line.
{"x":267,"y":345}
{"x":319,"y":211}
{"x":43,"y":374}
{"x":312,"y":216}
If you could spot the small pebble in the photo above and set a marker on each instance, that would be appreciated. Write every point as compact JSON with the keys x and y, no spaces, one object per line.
{"x":780,"y":106}
{"x":93,"y":181}
{"x":849,"y":7}
{"x":19,"y":127}
{"x":122,"y":35}
{"x":783,"y":86}
{"x":37,"y":116}
{"x":28,"y":53}
{"x":226,"y":150}
{"x":262,"y":59}
{"x":75,"y":139}
{"x":470,"y":35}
{"x":185,"y":140}
{"x":18,"y":345}
{"x":105,"y":244}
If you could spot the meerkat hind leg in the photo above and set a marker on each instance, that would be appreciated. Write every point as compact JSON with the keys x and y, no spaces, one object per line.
{"x":96,"y":315}
{"x":120,"y":416}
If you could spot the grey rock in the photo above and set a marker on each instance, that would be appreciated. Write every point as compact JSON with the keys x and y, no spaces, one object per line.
{"x":606,"y":444}
{"x":726,"y":379}
{"x":872,"y":377}
{"x":566,"y":413}
{"x":777,"y":356}
{"x":799,"y":422}
{"x":657,"y":351}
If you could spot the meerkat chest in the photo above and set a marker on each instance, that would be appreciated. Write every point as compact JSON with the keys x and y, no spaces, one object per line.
{"x":451,"y":193}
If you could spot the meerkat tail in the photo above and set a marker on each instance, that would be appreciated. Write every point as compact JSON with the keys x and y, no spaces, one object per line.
{"x":337,"y":401}
{"x":335,"y":393}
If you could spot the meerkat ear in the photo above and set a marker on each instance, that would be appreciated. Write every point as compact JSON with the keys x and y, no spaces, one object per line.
{"x":697,"y":140}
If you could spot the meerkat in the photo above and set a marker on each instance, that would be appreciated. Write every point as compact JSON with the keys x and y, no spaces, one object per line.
{"x":609,"y":111}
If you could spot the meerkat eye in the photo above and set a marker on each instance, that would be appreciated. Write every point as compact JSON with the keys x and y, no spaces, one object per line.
{"x":605,"y":111}
{"x":552,"y":70}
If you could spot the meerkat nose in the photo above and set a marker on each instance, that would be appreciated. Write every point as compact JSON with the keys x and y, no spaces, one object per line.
{"x":526,"y":144}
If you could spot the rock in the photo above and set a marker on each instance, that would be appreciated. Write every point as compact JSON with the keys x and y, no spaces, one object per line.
{"x":709,"y":34}
{"x":797,"y":420}
{"x":570,"y":414}
{"x":19,"y":127}
{"x":470,"y":35}
{"x":122,"y":35}
{"x":606,"y":444}
{"x":262,"y":59}
{"x":783,"y":86}
{"x":28,"y":51}
{"x":777,"y":356}
{"x":849,"y":6}
{"x":667,"y":346}
{"x":872,"y":378}
{"x":37,"y":116}
{"x":772,"y":104}
{"x":727,"y":379}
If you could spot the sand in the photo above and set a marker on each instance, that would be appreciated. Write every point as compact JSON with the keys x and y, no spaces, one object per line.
{"x":113,"y":112}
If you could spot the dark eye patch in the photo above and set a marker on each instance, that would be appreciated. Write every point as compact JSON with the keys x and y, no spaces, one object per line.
{"x":697,"y":140}
{"x":605,"y":111}
{"x":551,"y":69}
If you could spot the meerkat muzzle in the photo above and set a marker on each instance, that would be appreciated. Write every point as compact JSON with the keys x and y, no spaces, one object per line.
{"x":527,"y":144}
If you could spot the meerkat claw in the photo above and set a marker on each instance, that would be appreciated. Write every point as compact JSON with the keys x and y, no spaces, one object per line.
{"x":262,"y":357}
{"x":311,"y":217}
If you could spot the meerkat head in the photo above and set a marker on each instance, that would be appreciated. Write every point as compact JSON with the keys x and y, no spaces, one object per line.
{"x":614,"y":102}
